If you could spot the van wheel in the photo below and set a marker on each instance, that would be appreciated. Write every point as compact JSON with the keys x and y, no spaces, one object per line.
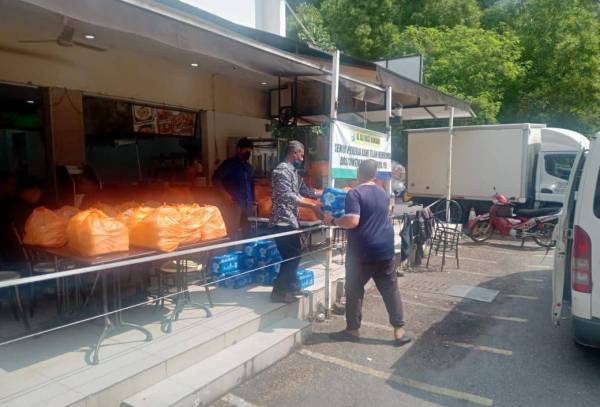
{"x":482,"y":231}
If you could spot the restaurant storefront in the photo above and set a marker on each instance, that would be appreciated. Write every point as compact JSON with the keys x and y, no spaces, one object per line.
{"x":146,"y":109}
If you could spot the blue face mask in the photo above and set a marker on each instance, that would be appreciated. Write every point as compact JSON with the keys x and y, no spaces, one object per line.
{"x":297,"y":164}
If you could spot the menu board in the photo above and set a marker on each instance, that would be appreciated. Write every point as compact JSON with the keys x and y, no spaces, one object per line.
{"x":153,"y":120}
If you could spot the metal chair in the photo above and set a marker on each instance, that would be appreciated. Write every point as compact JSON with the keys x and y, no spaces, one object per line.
{"x":17,"y":305}
{"x":40,"y":263}
{"x":447,"y":232}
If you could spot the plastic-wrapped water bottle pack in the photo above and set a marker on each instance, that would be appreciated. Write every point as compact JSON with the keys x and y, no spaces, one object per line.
{"x":334,"y":201}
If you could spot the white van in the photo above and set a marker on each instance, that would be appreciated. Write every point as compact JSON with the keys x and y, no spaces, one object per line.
{"x":577,"y":255}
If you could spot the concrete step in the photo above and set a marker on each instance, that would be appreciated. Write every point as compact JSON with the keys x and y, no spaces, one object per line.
{"x":211,"y":378}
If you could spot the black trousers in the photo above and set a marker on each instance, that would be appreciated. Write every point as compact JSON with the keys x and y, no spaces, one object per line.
{"x":289,"y":247}
{"x":384,"y":274}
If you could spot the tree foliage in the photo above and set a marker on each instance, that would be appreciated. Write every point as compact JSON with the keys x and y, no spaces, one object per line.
{"x":311,"y":19}
{"x":435,"y":13}
{"x":471,"y":63}
{"x":515,"y":60}
{"x":561,"y":45}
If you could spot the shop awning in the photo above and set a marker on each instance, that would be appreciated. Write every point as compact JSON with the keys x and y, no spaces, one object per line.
{"x":169,"y":23}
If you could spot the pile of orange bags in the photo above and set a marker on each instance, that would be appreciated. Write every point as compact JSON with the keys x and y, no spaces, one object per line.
{"x":161,"y":230}
{"x":132,"y":216}
{"x":126,"y":205}
{"x":106,"y":208}
{"x":67,"y":212}
{"x":192,"y":218}
{"x":214,"y":226}
{"x":92,"y":233}
{"x":45,"y":228}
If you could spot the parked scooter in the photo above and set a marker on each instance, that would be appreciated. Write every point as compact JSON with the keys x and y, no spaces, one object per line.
{"x":537,"y":224}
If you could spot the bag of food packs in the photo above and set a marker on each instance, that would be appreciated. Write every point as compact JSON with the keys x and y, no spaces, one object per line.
{"x":45,"y":228}
{"x":92,"y":233}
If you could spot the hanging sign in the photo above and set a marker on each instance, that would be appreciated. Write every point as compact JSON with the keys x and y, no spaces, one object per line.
{"x":154,"y":120}
{"x":352,"y":145}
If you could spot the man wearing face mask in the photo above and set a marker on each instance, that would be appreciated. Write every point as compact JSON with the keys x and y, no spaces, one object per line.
{"x":288,"y":190}
{"x":236,"y":177}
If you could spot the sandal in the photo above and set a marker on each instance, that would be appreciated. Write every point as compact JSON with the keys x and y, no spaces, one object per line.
{"x":406,"y":338}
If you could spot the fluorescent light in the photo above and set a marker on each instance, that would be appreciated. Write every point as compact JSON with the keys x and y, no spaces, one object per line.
{"x":90,"y":36}
{"x":264,"y":83}
{"x":193,"y":64}
{"x":31,"y":102}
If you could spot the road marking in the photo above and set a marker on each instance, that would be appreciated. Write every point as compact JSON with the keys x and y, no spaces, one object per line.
{"x":517,"y":250}
{"x":535,"y":280}
{"x":468,"y":313}
{"x":236,"y":401}
{"x":524,"y":297}
{"x":407,"y":291}
{"x":459,"y":344}
{"x":472,"y":259}
{"x":540,"y":267}
{"x":443,"y":391}
{"x":477,"y":274}
{"x":481,"y":348}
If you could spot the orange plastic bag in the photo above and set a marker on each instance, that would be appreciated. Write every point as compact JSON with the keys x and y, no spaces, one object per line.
{"x":161,"y":230}
{"x":192,"y":218}
{"x":214,"y":227}
{"x":126,"y":205}
{"x":132,"y":216}
{"x":67,"y":212}
{"x":262,"y":191}
{"x":106,"y":208}
{"x":45,"y":228}
{"x":92,"y":233}
{"x":307,"y":214}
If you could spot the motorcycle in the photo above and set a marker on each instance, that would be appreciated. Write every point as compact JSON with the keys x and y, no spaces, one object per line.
{"x":537,"y":224}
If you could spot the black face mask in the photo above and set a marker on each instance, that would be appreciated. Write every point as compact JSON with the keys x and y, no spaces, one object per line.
{"x":246,"y":156}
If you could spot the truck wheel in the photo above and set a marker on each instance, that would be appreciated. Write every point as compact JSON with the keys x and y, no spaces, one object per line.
{"x":481,"y":231}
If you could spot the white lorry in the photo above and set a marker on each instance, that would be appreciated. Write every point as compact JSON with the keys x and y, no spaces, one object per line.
{"x":528,"y":162}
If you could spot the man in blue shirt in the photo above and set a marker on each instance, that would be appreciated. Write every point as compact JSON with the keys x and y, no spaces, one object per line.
{"x":370,"y":254}
{"x":236,"y":177}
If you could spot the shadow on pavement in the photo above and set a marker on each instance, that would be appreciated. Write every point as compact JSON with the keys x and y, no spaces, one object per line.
{"x":540,"y":352}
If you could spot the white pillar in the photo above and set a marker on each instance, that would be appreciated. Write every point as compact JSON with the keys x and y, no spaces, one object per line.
{"x":335,"y":76}
{"x":388,"y":132}
{"x":451,"y":141}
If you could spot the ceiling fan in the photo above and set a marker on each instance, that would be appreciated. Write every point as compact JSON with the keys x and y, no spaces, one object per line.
{"x":65,"y":39}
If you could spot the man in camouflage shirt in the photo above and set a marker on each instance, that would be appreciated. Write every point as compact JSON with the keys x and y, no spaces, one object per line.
{"x":288,"y":190}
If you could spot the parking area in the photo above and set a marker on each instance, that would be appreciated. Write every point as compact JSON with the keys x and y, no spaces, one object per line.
{"x":466,"y":352}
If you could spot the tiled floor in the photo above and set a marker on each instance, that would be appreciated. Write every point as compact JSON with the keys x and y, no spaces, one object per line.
{"x":54,"y":368}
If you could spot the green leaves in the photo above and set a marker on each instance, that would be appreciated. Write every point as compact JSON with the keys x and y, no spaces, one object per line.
{"x":514,"y":60}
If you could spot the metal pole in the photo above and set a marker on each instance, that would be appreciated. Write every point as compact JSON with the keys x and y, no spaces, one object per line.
{"x":335,"y":77}
{"x":451,"y":141}
{"x":388,"y":132}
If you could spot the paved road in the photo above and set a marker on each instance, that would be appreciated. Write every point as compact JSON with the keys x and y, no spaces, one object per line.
{"x":467,"y":353}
